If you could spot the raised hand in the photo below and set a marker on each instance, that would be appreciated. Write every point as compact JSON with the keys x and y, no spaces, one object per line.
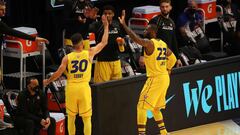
{"x":104,"y":20}
{"x":122,"y":18}
{"x":40,"y":40}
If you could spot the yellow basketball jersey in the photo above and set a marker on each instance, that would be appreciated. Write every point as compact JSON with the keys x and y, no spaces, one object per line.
{"x":156,"y":64}
{"x":79,"y":67}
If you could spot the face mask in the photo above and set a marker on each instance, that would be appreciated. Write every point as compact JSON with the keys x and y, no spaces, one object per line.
{"x":36,"y":88}
{"x":191,"y":11}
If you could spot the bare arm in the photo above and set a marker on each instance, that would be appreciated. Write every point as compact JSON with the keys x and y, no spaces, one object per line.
{"x":171,"y":61}
{"x":95,"y":50}
{"x":58,"y":73}
{"x":148,"y":44}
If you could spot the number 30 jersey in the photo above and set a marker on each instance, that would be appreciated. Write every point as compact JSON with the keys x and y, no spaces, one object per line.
{"x":156,"y":64}
{"x":79,"y":67}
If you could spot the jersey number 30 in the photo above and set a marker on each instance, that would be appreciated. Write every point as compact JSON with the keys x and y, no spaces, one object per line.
{"x":80,"y":66}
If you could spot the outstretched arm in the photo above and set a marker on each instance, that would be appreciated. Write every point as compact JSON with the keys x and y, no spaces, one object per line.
{"x":95,"y":50}
{"x":5,"y":29}
{"x":58,"y":73}
{"x":148,"y":44}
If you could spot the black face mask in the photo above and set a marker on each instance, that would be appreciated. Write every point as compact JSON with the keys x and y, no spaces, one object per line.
{"x":36,"y":88}
{"x":191,"y":11}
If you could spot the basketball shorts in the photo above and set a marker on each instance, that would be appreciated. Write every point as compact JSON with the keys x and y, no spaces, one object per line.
{"x":78,"y":99}
{"x":105,"y":71}
{"x":154,"y":92}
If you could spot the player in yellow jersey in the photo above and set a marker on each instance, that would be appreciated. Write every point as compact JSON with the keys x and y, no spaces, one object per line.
{"x":78,"y":93}
{"x":159,"y":61}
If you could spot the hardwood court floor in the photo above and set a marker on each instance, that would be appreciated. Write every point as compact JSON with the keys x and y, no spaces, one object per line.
{"x":228,"y":127}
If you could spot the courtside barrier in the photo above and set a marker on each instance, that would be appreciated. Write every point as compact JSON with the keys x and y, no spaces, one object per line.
{"x":198,"y":94}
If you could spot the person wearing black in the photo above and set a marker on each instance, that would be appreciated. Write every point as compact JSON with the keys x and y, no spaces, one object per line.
{"x":190,"y":21}
{"x":32,"y":113}
{"x":78,"y":15}
{"x":166,"y":30}
{"x":5,"y":29}
{"x":108,"y":65}
{"x":237,"y":36}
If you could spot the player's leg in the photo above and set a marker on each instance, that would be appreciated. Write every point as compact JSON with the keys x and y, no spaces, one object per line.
{"x":71,"y":124}
{"x":102,"y":72}
{"x":117,"y":70}
{"x":85,"y":108}
{"x":159,"y":120}
{"x":71,"y":107}
{"x":141,"y":120}
{"x":161,"y":103}
{"x":143,"y":106}
{"x":87,"y":125}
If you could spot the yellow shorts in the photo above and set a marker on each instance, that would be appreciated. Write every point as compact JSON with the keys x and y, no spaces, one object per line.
{"x":78,"y":99}
{"x":105,"y":71}
{"x":154,"y":92}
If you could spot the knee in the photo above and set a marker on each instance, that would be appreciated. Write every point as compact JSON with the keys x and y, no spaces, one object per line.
{"x":156,"y":110}
{"x":86,"y":119}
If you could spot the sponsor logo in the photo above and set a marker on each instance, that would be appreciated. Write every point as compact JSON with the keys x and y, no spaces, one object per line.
{"x":149,"y":113}
{"x":225,"y":90}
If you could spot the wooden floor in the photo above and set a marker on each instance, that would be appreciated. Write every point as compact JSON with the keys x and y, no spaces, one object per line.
{"x":228,"y":127}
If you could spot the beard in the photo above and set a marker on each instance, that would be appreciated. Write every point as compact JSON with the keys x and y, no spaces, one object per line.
{"x":165,"y":14}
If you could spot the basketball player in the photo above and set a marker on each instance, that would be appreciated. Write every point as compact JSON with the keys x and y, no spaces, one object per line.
{"x":108,"y":65}
{"x":159,"y":62}
{"x":78,"y":93}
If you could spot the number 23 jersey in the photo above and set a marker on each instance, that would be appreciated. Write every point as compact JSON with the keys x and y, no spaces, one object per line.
{"x":156,"y":63}
{"x":79,"y":67}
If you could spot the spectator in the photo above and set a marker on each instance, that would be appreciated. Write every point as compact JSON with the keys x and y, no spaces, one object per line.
{"x":237,"y":36}
{"x":231,"y":7}
{"x":166,"y":29}
{"x":32,"y":111}
{"x":228,"y":24}
{"x":78,"y":15}
{"x":236,"y":8}
{"x":190,"y":20}
{"x":108,"y":65}
{"x":4,"y":29}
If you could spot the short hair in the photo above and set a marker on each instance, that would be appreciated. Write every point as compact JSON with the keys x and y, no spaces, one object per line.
{"x":76,"y":38}
{"x":153,"y":27}
{"x":109,"y":7}
{"x":30,"y":79}
{"x":2,"y":3}
{"x":165,"y":1}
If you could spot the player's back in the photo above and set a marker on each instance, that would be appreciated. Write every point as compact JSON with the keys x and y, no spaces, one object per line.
{"x":79,"y":67}
{"x":156,"y":64}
